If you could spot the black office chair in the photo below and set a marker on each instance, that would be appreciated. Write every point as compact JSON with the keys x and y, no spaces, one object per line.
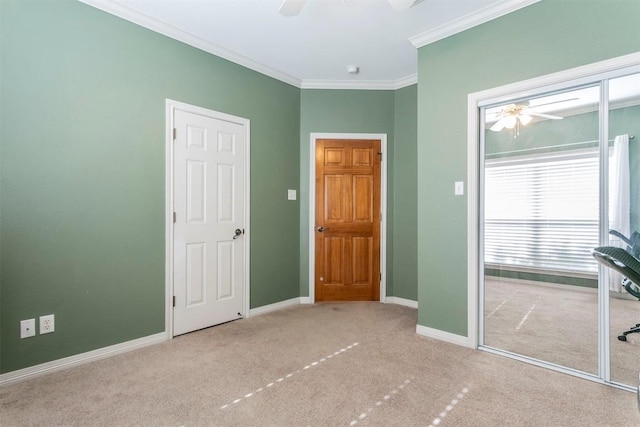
{"x":626,"y":264}
{"x":633,"y":242}
{"x":633,"y":247}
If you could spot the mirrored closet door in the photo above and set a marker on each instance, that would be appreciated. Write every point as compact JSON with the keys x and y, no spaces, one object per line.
{"x":558,"y":170}
{"x":624,"y":221}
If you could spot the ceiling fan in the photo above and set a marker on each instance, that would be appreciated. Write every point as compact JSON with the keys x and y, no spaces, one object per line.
{"x":514,"y":115}
{"x":293,"y":7}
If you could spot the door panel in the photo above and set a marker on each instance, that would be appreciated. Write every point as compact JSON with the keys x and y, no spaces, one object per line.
{"x":347,"y":220}
{"x":225,"y":270}
{"x":361,"y":258}
{"x":196,"y":198}
{"x":209,"y":206}
{"x":195,"y":273}
{"x":362,"y":198}
{"x":226,"y":175}
{"x":624,"y":217}
{"x":334,"y":256}
{"x":541,"y":220}
{"x":334,"y":200}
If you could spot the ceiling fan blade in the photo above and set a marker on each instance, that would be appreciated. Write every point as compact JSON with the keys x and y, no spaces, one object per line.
{"x":291,"y":7}
{"x":546,"y":116}
{"x":403,"y":4}
{"x":498,"y":126}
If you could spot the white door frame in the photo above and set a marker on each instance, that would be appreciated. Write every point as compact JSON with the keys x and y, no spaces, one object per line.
{"x":171,"y":106}
{"x":574,"y":76}
{"x":312,"y":206}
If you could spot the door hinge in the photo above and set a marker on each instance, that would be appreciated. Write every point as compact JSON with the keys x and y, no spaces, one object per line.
{"x":174,"y":300}
{"x":174,"y":217}
{"x":174,"y":134}
{"x":381,"y":277}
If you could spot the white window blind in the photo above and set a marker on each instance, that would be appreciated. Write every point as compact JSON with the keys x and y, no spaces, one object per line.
{"x":541,"y":212}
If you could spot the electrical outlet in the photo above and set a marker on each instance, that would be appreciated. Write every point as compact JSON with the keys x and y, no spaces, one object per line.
{"x":47,"y":324}
{"x":27,"y":328}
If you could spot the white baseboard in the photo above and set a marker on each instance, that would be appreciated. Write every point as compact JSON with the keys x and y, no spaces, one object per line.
{"x":275,"y":306}
{"x":443,"y":336}
{"x":387,"y":300}
{"x":80,"y":359}
{"x":401,"y":301}
{"x":102,"y":353}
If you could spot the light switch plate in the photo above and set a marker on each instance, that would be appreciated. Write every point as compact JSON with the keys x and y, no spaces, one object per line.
{"x":459,"y":188}
{"x":291,"y":194}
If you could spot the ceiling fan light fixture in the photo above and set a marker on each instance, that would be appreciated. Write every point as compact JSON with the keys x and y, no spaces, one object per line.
{"x":353,"y":69}
{"x":525,"y":119}
{"x":510,"y":122}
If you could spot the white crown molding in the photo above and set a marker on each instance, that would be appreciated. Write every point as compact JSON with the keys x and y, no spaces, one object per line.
{"x":125,"y":12}
{"x":361,"y":84}
{"x":468,"y":21}
{"x":406,"y":81}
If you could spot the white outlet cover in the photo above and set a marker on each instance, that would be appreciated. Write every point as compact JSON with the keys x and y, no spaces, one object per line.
{"x":291,"y":194}
{"x":47,"y":324}
{"x":27,"y":328}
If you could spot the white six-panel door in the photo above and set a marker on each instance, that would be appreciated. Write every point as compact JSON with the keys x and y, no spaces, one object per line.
{"x":208,"y":232}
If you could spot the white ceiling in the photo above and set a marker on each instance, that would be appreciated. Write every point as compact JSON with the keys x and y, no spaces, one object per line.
{"x":314,"y":48}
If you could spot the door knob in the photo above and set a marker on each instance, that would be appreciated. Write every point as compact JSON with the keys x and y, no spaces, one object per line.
{"x":321,"y":229}
{"x":237,"y":234}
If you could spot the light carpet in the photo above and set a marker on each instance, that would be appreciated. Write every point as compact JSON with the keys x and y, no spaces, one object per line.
{"x":353,"y":364}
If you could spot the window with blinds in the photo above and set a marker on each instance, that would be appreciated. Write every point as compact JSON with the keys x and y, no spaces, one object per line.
{"x":541,"y":212}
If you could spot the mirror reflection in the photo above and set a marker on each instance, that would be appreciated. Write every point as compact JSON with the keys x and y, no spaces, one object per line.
{"x":541,"y":220}
{"x":543,"y":239}
{"x":624,"y":223}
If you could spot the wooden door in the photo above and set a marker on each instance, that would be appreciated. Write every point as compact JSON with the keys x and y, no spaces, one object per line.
{"x":209,"y":194}
{"x":347,"y":229}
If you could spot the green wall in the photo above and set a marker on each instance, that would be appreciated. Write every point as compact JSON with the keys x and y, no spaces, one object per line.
{"x":345,"y":111}
{"x":82,"y":118}
{"x":546,"y":37}
{"x":370,"y":111}
{"x":405,"y":190}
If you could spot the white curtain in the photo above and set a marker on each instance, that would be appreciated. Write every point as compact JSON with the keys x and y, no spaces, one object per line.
{"x":619,"y":200}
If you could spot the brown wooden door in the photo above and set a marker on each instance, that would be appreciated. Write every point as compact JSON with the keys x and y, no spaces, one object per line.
{"x":347,"y":229}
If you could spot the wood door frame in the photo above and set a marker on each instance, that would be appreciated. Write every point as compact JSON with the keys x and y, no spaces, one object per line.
{"x":171,"y":107}
{"x":314,"y":136}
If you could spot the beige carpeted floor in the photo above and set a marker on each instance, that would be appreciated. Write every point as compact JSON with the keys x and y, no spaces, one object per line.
{"x":353,"y":364}
{"x":559,"y":324}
